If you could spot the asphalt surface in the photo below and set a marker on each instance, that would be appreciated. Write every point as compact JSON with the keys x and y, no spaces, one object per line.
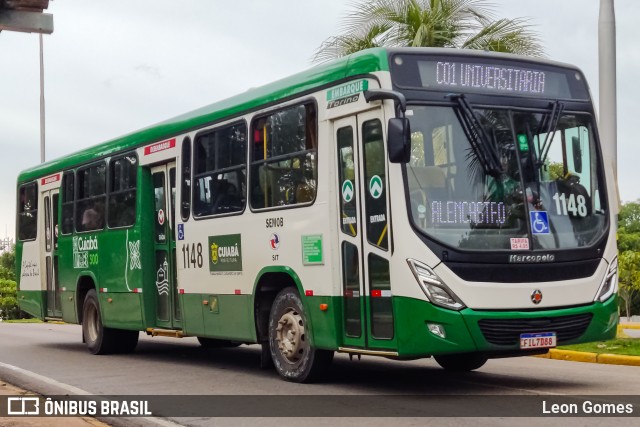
{"x":59,"y":363}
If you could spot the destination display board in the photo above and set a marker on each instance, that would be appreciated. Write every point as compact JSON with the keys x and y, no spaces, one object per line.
{"x":460,"y":74}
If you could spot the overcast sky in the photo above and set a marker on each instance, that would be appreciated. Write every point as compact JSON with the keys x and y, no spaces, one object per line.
{"x":115,"y":66}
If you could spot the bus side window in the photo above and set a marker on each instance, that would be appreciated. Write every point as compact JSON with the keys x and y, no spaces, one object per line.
{"x":28,"y":212}
{"x":122,"y":191}
{"x":90,"y":204}
{"x":284,"y":159}
{"x":219,"y":171}
{"x":185,"y":193}
{"x":68,"y":197}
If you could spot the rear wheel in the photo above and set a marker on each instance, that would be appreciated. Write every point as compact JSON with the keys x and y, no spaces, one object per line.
{"x":101,"y":340}
{"x":293,"y":356}
{"x":461,"y":362}
{"x":126,"y":341}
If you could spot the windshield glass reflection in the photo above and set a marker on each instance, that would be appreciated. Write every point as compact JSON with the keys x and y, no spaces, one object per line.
{"x":544,"y":192}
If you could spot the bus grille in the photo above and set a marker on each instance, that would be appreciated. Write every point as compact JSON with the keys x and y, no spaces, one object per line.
{"x":507,"y":331}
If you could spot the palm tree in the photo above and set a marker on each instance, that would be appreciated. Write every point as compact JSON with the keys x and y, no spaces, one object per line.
{"x":467,"y":24}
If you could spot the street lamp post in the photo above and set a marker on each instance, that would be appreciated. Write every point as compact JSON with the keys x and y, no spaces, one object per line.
{"x":607,"y":92}
{"x":42,"y":121}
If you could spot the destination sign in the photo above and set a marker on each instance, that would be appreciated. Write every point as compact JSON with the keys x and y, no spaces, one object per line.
{"x":460,"y":74}
{"x":490,"y":77}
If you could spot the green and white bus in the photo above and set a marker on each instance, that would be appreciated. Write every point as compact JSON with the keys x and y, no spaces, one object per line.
{"x":402,"y":203}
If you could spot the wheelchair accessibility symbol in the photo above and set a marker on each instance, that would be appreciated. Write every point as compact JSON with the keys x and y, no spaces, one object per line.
{"x":539,"y":222}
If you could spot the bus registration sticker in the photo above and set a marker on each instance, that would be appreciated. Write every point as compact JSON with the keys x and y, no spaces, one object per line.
{"x":538,"y":340}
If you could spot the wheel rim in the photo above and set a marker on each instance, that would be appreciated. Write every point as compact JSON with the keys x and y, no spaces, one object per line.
{"x":92,"y":323}
{"x":290,"y":336}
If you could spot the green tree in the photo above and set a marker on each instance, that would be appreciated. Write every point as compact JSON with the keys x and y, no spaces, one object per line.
{"x":8,"y":264}
{"x":629,"y":218}
{"x":8,"y":300}
{"x":8,"y":288}
{"x":629,"y":278}
{"x":628,"y":244}
{"x":467,"y":24}
{"x":629,"y":227}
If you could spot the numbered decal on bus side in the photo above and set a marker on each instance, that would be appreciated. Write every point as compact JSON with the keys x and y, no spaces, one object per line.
{"x":192,"y":256}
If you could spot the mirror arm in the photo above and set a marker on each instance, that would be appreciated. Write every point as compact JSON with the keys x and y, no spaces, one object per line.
{"x":382,"y":94}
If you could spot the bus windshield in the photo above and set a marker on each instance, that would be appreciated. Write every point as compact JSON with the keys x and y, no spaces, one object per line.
{"x":543,"y":191}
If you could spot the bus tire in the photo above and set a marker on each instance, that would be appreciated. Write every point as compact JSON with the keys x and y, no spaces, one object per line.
{"x":217,"y":343}
{"x":100,"y":340}
{"x":463,"y":362}
{"x":293,"y":356}
{"x":126,"y":341}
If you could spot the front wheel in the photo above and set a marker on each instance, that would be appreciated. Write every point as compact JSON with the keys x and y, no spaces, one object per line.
{"x":292,"y":354}
{"x":463,"y":362}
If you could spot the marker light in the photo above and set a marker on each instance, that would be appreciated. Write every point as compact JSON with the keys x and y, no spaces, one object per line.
{"x":609,"y":284}
{"x":436,"y":291}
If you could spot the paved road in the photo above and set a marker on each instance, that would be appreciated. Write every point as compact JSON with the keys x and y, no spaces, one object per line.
{"x":181,"y":367}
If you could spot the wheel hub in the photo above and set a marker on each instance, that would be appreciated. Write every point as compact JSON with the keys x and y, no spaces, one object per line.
{"x":290,"y":336}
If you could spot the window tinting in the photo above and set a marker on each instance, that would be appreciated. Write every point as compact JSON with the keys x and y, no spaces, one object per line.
{"x":375,"y":176}
{"x":90,"y":207}
{"x":548,"y":195}
{"x":381,"y":302}
{"x":351,"y":290}
{"x":122,"y":191}
{"x":68,"y":197}
{"x":185,"y":194}
{"x":284,"y":158}
{"x":220,"y":171}
{"x":348,"y":185}
{"x":28,"y":212}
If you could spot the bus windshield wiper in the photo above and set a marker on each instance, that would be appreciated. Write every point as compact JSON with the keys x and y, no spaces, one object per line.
{"x":551,"y":121}
{"x":478,"y":138}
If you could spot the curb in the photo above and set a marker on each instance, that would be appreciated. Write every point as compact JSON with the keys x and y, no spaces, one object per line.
{"x":586,"y":357}
{"x":582,"y":356}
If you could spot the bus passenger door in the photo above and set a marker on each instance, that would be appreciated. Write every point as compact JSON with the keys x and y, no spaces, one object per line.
{"x":364,"y":233}
{"x":168,"y":313}
{"x":54,"y":307}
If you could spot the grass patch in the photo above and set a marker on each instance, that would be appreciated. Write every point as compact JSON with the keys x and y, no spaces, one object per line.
{"x":624,"y":346}
{"x":34,"y":320}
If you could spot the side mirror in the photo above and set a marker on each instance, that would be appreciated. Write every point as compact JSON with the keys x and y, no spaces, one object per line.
{"x":399,"y":140}
{"x":576,"y":148}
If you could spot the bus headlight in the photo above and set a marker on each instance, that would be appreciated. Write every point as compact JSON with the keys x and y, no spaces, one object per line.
{"x":609,"y":284}
{"x":436,"y":291}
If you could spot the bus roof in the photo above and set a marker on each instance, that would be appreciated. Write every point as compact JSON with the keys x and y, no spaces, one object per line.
{"x":359,"y":63}
{"x":363,"y":62}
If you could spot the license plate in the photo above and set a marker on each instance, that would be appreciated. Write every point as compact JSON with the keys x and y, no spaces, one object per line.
{"x":538,"y":340}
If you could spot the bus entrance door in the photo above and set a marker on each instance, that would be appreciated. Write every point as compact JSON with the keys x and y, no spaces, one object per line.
{"x":168,"y":313}
{"x":368,"y":321}
{"x":54,"y":308}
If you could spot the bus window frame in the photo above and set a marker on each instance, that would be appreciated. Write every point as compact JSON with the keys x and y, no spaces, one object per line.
{"x":205,"y":132}
{"x":186,"y":141}
{"x":35,"y":210}
{"x":76,"y":189}
{"x":65,"y":174}
{"x":311,"y":100}
{"x":108,"y":189}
